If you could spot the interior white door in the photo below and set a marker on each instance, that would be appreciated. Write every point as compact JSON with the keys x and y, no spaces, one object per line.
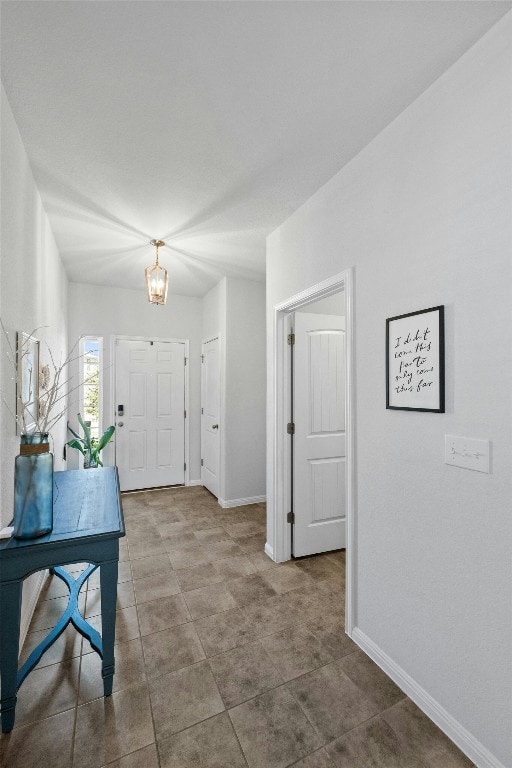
{"x":210,"y":415}
{"x":150,"y":413}
{"x":319,"y":442}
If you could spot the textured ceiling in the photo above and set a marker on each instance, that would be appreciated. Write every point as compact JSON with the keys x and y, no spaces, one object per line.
{"x":207,"y":124}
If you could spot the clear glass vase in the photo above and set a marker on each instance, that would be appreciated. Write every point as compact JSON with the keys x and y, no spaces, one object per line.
{"x":33,"y":487}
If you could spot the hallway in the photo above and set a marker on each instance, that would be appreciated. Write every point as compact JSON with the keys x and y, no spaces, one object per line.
{"x":223,"y":660}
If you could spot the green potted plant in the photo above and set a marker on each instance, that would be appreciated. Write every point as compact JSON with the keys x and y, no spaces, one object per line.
{"x":90,"y":447}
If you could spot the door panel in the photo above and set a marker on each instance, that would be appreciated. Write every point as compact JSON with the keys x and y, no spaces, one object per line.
{"x":327,"y":485}
{"x":137,"y":450}
{"x":210,"y":415}
{"x":150,"y":434}
{"x":164,"y":395}
{"x":327,"y":385}
{"x":164,"y":452}
{"x":137,"y":394}
{"x":319,"y":442}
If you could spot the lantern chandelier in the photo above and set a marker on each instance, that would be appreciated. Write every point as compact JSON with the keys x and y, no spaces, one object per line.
{"x":157,"y":279}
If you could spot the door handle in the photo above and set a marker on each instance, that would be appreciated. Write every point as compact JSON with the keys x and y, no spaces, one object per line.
{"x":215,"y":426}
{"x":120,"y":423}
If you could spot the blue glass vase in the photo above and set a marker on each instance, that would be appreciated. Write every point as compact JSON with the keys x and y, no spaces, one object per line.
{"x":33,"y":487}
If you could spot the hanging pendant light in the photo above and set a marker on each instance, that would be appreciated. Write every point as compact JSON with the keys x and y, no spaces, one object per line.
{"x":157,"y":279}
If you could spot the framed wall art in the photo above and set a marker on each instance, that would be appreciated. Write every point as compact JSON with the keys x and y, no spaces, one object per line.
{"x":415,"y":361}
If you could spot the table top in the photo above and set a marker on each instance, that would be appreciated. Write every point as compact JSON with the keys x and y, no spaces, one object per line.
{"x":86,"y":503}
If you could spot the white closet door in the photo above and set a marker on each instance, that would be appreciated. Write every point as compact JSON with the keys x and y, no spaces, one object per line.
{"x":210,"y":415}
{"x":319,"y":442}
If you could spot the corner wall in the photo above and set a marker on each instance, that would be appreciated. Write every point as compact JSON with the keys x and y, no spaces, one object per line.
{"x":245,"y":391}
{"x":423,"y":216}
{"x":33,"y":295}
{"x":235,"y":309}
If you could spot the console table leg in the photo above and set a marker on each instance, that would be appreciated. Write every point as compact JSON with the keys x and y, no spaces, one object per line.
{"x":108,"y":583}
{"x":10,"y":617}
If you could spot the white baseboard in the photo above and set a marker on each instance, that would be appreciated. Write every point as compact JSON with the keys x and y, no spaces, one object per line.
{"x":270,"y":552}
{"x":193,"y":482}
{"x":29,"y":605}
{"x":471,"y":747}
{"x":227,"y":503}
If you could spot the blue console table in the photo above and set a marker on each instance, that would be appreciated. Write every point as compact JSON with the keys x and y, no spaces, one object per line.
{"x":87,"y":525}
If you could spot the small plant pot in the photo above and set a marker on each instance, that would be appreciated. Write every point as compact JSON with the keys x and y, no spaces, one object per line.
{"x":90,"y":462}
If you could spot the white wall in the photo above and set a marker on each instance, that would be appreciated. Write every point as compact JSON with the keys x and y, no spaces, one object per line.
{"x":423,"y":216}
{"x":102,"y":311}
{"x":245,"y":421}
{"x":33,"y":294}
{"x":214,"y":311}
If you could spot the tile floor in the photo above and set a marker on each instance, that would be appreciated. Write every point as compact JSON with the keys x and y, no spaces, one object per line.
{"x":224,"y":660}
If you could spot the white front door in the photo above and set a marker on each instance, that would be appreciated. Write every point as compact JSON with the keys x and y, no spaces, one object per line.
{"x":319,"y":442}
{"x":210,"y":415}
{"x":150,"y":413}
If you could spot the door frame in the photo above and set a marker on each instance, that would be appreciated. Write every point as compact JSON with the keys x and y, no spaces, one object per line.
{"x":282,"y":409}
{"x":113,"y":340}
{"x":214,"y":336}
{"x":101,"y":387}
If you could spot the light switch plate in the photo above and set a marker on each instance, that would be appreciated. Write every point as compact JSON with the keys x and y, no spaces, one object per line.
{"x":467,"y":452}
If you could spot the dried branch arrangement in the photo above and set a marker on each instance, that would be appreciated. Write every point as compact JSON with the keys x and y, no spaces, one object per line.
{"x":38,"y":411}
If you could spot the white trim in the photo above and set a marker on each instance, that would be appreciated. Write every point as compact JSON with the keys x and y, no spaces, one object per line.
{"x":222,"y":408}
{"x":321,"y":290}
{"x":113,"y":393}
{"x":187,"y":410}
{"x":137,"y":490}
{"x":34,"y":597}
{"x":227,"y":503}
{"x":281,"y":457}
{"x":186,"y":342}
{"x":81,"y":378}
{"x":194,"y":482}
{"x":269,"y":551}
{"x":211,"y":338}
{"x":351,"y":490}
{"x":471,"y":747}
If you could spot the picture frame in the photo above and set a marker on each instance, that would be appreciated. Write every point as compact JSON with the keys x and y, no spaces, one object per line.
{"x":27,"y":382}
{"x":415,"y":364}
